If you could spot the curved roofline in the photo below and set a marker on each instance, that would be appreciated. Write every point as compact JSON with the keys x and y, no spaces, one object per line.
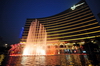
{"x":67,"y":10}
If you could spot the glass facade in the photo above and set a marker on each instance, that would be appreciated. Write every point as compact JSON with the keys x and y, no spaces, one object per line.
{"x":69,"y":25}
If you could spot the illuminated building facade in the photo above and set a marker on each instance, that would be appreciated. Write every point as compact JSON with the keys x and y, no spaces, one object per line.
{"x":75,"y":23}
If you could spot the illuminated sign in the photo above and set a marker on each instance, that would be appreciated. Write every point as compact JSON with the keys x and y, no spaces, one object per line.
{"x":73,"y":7}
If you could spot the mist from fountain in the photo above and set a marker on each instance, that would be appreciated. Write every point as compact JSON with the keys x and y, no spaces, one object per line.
{"x":36,"y":40}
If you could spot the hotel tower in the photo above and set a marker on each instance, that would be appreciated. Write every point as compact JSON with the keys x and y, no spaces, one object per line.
{"x":74,"y":24}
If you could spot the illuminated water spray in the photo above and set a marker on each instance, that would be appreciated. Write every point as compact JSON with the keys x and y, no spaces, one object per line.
{"x":36,"y":40}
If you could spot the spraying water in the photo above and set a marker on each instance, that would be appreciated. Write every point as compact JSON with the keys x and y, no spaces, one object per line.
{"x":36,"y":40}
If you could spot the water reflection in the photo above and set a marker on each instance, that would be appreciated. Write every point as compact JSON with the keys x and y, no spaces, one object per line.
{"x":33,"y":60}
{"x":49,"y":60}
{"x":77,"y":60}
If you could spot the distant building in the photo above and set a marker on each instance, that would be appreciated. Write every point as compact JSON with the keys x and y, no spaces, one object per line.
{"x":74,"y":24}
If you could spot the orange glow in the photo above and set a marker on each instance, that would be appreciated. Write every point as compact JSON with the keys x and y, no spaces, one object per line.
{"x":36,"y":40}
{"x":51,"y":50}
{"x":35,"y":50}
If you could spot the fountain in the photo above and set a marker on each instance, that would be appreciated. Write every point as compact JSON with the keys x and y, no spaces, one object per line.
{"x":37,"y":53}
{"x":36,"y":40}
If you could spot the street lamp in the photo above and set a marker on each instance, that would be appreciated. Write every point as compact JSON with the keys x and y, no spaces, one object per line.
{"x":6,"y":45}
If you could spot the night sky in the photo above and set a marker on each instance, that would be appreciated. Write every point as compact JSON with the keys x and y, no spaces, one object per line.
{"x":13,"y":14}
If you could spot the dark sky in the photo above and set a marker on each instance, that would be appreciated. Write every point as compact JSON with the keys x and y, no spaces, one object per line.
{"x":13,"y":13}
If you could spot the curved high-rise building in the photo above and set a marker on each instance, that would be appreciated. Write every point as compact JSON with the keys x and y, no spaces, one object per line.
{"x":75,"y":23}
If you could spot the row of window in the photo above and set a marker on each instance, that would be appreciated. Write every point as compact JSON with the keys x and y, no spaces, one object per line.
{"x":67,"y":30}
{"x":68,"y":16}
{"x":68,"y":22}
{"x":66,"y":25}
{"x":75,"y":31}
{"x":78,"y":27}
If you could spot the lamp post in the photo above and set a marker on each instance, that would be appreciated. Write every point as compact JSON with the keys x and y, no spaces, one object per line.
{"x":6,"y":45}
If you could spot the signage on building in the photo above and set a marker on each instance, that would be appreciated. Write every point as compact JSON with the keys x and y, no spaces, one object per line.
{"x":73,"y":7}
